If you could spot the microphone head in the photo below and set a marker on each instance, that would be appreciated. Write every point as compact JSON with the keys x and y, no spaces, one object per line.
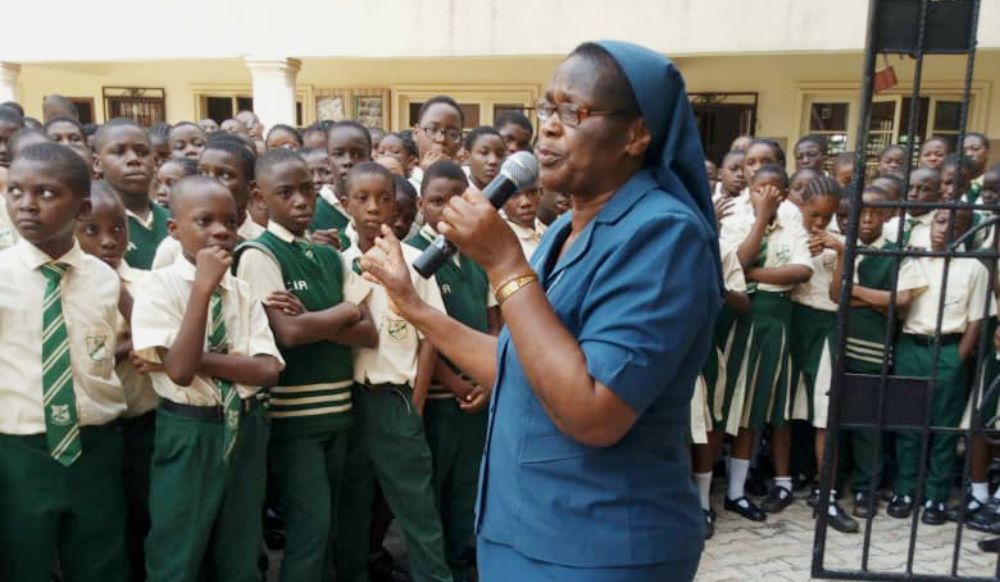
{"x":521,"y":168}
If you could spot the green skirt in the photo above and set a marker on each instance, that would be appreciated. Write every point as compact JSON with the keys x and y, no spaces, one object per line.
{"x":723,"y":391}
{"x":768,"y":363}
{"x":811,"y":330}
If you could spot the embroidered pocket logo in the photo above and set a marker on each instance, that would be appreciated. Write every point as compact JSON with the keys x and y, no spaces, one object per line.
{"x":398,"y":329}
{"x":97,"y":347}
{"x":60,"y":414}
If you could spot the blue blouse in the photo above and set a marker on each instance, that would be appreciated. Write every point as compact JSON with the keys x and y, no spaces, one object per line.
{"x":639,"y":291}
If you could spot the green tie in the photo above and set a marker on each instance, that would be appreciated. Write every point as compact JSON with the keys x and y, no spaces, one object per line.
{"x":908,"y":231}
{"x":62,"y":427}
{"x":761,"y":259}
{"x":305,"y":246}
{"x":218,"y":341}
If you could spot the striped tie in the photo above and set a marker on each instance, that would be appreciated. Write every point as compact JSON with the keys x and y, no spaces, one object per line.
{"x":218,"y":341}
{"x":62,"y":427}
{"x":761,"y":258}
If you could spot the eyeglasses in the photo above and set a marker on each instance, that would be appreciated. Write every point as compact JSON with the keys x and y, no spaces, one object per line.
{"x":569,"y":113}
{"x":451,"y":134}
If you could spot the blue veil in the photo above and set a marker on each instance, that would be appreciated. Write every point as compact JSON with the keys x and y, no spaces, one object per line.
{"x":675,"y":154}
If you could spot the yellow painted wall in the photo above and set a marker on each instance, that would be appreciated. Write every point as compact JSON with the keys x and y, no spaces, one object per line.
{"x":777,"y":78}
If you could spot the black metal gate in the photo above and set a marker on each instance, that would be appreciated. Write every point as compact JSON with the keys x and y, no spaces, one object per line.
{"x":886,"y":403}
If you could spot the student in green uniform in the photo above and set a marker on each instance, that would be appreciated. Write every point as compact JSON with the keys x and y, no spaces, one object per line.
{"x":103,"y":233}
{"x":60,"y":449}
{"x":966,"y":288}
{"x":925,"y":186}
{"x":866,"y":342}
{"x":348,"y":144}
{"x":207,"y":343}
{"x":977,"y":150}
{"x":124,"y":157}
{"x":775,"y":257}
{"x":311,"y":405}
{"x":388,"y":441}
{"x":813,"y":322}
{"x":438,"y":133}
{"x":456,"y":430}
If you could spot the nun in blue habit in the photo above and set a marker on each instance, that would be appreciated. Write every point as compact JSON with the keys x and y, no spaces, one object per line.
{"x":586,"y":472}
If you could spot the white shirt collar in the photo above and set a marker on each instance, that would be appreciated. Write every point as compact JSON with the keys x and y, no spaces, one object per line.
{"x":282,"y":233}
{"x":127,"y":273}
{"x":146,"y":222}
{"x":35,"y":257}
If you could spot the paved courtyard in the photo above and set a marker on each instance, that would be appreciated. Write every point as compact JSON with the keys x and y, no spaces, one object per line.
{"x":781,"y":549}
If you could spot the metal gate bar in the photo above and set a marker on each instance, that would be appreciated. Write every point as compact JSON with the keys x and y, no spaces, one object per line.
{"x":875,"y":44}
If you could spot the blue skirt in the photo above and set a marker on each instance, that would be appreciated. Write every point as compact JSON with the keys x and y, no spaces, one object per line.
{"x":500,"y":563}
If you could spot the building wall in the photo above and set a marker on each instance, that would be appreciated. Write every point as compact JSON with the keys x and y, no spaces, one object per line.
{"x":778,"y":79}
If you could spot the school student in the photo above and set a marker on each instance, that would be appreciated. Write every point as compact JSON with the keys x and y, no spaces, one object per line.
{"x":966,"y":288}
{"x":166,"y":175}
{"x":311,"y":406}
{"x":60,"y":448}
{"x":186,"y":140}
{"x":516,"y":130}
{"x":232,"y":164}
{"x":810,"y":153}
{"x":123,"y":155}
{"x":932,"y":153}
{"x":348,"y":144}
{"x":103,"y":233}
{"x":438,"y":133}
{"x":388,"y":440}
{"x":456,"y":433}
{"x":775,"y":257}
{"x":925,"y":186}
{"x":977,"y":150}
{"x":206,"y":341}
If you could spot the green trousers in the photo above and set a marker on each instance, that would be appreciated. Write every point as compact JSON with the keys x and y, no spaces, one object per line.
{"x":76,"y":513}
{"x":456,"y":440}
{"x":387,"y":443}
{"x":206,"y":512}
{"x":947,"y":405}
{"x":307,"y":474}
{"x":137,"y":441}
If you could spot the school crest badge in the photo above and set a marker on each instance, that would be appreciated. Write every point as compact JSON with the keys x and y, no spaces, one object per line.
{"x":97,"y":348}
{"x":446,"y":289}
{"x":783,"y":253}
{"x":59,"y":413}
{"x":232,"y":419}
{"x":398,"y":329}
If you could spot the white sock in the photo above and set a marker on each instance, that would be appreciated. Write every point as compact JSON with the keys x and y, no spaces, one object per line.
{"x":738,"y":469}
{"x":704,"y":483}
{"x":981,"y":491}
{"x":785,"y":482}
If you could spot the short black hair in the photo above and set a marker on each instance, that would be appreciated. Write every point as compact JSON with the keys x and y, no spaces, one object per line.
{"x":981,"y":137}
{"x":318,"y":126}
{"x":285,"y":128}
{"x":813,"y":138}
{"x":800,"y":171}
{"x":772,"y":169}
{"x":179,"y":191}
{"x":475,"y":134}
{"x":446,"y":100}
{"x":8,"y":115}
{"x":179,"y":124}
{"x":880,"y":192}
{"x":890,"y":148}
{"x":613,"y":88}
{"x":446,"y":169}
{"x":897,"y":182}
{"x":13,"y":105}
{"x":511,"y":117}
{"x":404,"y":187}
{"x":822,"y":187}
{"x":366,"y":168}
{"x":64,"y":119}
{"x":233,"y":138}
{"x":844,"y":159}
{"x":62,"y":102}
{"x":189,"y":166}
{"x":14,"y":142}
{"x":959,"y":161}
{"x":406,"y":137}
{"x":32,"y":122}
{"x":305,"y":152}
{"x":246,"y":159}
{"x":275,"y":156}
{"x":62,"y":162}
{"x":732,"y":153}
{"x":90,"y":129}
{"x":779,"y":152}
{"x":937,"y":138}
{"x":102,"y":134}
{"x":159,"y":131}
{"x":352,"y":125}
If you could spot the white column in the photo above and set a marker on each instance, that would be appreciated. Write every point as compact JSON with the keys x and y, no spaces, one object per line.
{"x":8,"y":81}
{"x":274,"y":89}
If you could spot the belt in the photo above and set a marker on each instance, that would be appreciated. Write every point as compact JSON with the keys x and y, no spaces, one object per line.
{"x":928,"y":340}
{"x":384,"y":386}
{"x":213,"y":413}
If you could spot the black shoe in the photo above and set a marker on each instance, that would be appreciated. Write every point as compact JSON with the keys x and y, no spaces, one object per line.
{"x":709,"y":523}
{"x":861,"y":505}
{"x":839,"y":521}
{"x":813,"y":499}
{"x":972,"y":507}
{"x":986,"y":520}
{"x":934,"y":513}
{"x":745,"y":508}
{"x":777,"y":500}
{"x":900,"y":506}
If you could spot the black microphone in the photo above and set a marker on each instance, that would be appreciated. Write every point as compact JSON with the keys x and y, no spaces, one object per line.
{"x":518,"y":172}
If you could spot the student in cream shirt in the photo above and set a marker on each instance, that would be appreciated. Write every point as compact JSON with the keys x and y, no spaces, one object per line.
{"x":169,"y":249}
